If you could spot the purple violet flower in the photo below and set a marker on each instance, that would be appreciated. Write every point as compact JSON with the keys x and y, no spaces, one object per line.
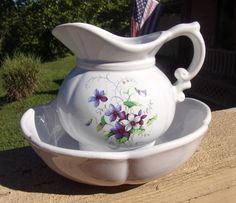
{"x":98,"y":96}
{"x":119,"y":131}
{"x":133,"y":121}
{"x":141,"y":122}
{"x":115,"y":111}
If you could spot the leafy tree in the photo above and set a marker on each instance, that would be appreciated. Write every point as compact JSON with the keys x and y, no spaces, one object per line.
{"x":26,"y":25}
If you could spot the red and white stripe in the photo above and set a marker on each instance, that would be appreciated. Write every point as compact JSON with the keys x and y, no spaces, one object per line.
{"x":135,"y":25}
{"x":151,"y":5}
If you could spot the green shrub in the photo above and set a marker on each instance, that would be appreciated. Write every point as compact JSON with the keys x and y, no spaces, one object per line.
{"x":20,"y":75}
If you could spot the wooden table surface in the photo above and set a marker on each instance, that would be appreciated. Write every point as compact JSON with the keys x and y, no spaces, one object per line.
{"x":209,"y":176}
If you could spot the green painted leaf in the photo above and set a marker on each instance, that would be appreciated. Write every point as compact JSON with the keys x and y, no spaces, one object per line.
{"x":130,"y":104}
{"x":123,"y":140}
{"x":134,"y":131}
{"x":138,"y":131}
{"x":107,"y":135}
{"x":151,"y":120}
{"x":141,"y":130}
{"x":103,"y":122}
{"x":100,"y":126}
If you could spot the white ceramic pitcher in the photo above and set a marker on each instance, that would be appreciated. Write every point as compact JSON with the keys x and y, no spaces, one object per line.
{"x":116,"y":98}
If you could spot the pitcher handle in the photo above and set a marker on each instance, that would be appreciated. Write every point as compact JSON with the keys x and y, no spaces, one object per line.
{"x":183,"y":76}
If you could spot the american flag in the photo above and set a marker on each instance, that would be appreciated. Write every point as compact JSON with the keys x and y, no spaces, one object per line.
{"x":144,"y":18}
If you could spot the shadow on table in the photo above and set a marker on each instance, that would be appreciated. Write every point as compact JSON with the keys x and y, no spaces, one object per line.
{"x":21,"y":169}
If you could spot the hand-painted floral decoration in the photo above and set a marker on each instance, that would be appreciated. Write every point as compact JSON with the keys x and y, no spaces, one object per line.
{"x":121,"y":118}
{"x":98,"y":96}
{"x":115,"y":111}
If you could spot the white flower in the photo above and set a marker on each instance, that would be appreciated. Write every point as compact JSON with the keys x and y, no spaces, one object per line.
{"x":132,"y":122}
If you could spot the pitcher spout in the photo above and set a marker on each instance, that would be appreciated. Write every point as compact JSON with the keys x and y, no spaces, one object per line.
{"x":90,"y":43}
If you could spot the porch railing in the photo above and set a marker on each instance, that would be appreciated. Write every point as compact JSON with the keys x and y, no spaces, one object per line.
{"x":221,"y":62}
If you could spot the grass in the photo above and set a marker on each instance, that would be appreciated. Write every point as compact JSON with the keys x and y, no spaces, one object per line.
{"x":52,"y":74}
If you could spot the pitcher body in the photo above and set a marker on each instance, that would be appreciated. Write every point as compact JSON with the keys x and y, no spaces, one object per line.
{"x":116,"y":98}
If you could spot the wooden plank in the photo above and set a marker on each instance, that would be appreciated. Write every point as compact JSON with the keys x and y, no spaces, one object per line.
{"x":227,"y":195}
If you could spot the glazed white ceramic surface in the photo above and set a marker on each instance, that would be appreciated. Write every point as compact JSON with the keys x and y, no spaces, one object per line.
{"x":116,"y":98}
{"x":42,"y":129}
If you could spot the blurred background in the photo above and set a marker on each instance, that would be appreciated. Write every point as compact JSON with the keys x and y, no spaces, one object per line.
{"x":216,"y":82}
